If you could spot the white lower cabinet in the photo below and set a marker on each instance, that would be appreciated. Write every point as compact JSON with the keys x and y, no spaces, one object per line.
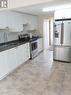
{"x":12,"y":58}
{"x":23,"y":53}
{"x":40,"y":45}
{"x":26,"y":52}
{"x":3,"y":64}
{"x":20,"y":54}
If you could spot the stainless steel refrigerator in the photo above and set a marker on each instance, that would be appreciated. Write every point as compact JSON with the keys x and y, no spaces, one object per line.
{"x":62,"y":40}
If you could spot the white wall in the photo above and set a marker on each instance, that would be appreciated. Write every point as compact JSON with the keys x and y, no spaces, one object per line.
{"x":40,"y":22}
{"x":15,"y":20}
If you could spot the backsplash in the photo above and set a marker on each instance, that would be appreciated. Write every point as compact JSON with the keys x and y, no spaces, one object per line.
{"x":6,"y":36}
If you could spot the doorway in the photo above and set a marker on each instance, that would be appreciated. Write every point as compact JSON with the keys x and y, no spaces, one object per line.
{"x":48,"y":34}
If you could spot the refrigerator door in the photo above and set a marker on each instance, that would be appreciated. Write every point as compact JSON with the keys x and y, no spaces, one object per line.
{"x":67,"y":33}
{"x":57,"y":33}
{"x":62,"y":49}
{"x":62,"y":53}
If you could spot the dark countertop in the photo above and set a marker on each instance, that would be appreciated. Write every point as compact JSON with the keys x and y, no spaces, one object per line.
{"x":35,"y":38}
{"x":12,"y":44}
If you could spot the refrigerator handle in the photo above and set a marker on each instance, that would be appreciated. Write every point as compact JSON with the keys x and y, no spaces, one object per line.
{"x":62,"y":32}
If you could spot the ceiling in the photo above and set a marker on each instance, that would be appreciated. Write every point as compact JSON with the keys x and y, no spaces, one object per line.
{"x":37,"y":9}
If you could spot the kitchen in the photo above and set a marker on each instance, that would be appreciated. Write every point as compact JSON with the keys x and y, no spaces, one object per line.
{"x":15,"y":42}
{"x":21,"y":39}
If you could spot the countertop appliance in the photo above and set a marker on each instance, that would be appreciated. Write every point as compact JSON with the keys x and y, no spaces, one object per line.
{"x":23,"y":37}
{"x":62,"y":40}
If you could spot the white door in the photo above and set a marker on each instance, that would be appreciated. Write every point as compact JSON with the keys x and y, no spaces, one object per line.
{"x":46,"y":33}
{"x":57,"y":33}
{"x":67,"y":33}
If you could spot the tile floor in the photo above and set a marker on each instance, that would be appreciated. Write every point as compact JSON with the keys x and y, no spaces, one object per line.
{"x":40,"y":76}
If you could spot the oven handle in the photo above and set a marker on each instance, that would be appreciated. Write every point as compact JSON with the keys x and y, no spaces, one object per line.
{"x":33,"y":41}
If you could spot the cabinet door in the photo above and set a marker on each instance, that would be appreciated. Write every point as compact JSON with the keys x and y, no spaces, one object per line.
{"x":40,"y":48}
{"x":67,"y":33}
{"x":11,"y":59}
{"x":3,"y":64}
{"x":20,"y":54}
{"x":33,"y":22}
{"x":23,"y":53}
{"x":26,"y":51}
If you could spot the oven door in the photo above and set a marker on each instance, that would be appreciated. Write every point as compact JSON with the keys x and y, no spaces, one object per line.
{"x":34,"y":50}
{"x":34,"y":45}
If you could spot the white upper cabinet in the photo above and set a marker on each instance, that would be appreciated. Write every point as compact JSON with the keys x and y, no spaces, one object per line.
{"x":33,"y":22}
{"x":15,"y":21}
{"x":3,"y":19}
{"x":61,"y":14}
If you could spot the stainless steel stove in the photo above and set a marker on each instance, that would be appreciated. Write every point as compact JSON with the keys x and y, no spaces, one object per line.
{"x":33,"y":48}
